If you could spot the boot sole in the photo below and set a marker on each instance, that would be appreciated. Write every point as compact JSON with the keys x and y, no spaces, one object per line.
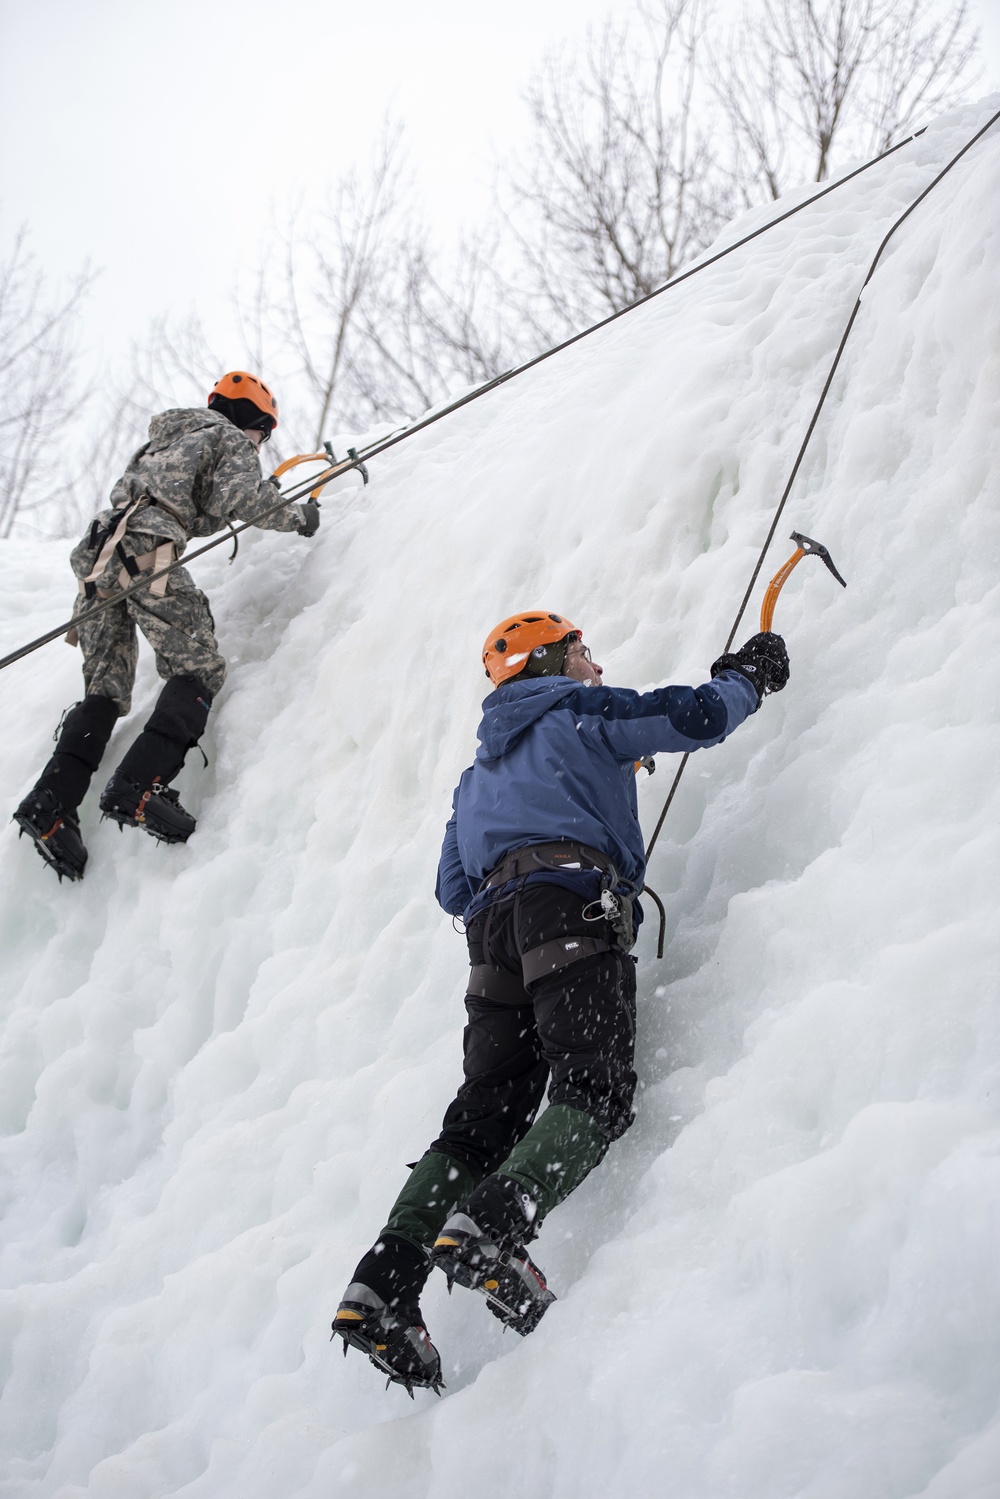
{"x":128,"y":820}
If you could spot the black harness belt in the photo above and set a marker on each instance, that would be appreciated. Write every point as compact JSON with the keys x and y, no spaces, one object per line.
{"x":499,"y":984}
{"x":503,"y":987}
{"x":550,"y":856}
{"x":552,"y":956}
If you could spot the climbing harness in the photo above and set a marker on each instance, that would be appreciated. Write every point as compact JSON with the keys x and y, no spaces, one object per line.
{"x":356,"y":459}
{"x":106,"y":541}
{"x":156,"y":583}
{"x":814,"y":546}
{"x":343,"y":467}
{"x":613,"y":905}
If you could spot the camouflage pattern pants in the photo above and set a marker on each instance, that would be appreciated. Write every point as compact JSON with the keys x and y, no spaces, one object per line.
{"x":179,"y":626}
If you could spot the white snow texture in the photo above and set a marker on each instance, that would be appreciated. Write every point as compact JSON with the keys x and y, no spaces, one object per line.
{"x":217,"y":1059}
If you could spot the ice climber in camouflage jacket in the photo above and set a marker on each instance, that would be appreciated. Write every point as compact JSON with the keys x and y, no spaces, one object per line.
{"x":198,"y":472}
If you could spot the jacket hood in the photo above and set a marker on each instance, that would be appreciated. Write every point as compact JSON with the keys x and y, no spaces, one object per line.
{"x":179,"y":421}
{"x":514,"y":707}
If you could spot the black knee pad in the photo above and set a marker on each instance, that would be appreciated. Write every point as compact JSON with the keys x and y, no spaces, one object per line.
{"x":181,"y":711}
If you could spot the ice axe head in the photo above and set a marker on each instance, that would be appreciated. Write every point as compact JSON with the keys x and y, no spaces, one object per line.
{"x":816,"y":549}
{"x":804,"y":547}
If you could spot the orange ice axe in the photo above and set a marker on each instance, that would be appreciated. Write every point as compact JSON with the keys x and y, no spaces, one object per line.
{"x":804,"y":547}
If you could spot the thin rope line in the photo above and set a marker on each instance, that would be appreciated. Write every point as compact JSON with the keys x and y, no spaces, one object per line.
{"x":146,"y":582}
{"x":374,"y":449}
{"x":812,"y":427}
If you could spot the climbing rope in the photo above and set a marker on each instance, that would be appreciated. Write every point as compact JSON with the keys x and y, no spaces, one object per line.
{"x":356,"y":460}
{"x":809,"y":432}
{"x":148,"y":579}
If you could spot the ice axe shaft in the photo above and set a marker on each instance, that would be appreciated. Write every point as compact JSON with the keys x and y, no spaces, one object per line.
{"x":804,"y":547}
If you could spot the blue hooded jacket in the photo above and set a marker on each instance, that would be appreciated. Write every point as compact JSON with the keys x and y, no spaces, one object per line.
{"x":556,"y":760}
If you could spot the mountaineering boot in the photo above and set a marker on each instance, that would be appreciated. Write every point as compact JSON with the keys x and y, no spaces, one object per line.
{"x":48,"y":814}
{"x":56,"y":833}
{"x":147,"y":803}
{"x":481,"y":1246}
{"x":138,"y":793}
{"x":380,"y":1315}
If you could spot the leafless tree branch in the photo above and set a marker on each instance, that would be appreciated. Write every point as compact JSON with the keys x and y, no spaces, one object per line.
{"x":622,"y":185}
{"x":644,"y":141}
{"x":805,"y":82}
{"x":40,"y":391}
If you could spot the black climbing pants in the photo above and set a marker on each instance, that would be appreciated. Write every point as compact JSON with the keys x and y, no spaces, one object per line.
{"x":573,"y":1028}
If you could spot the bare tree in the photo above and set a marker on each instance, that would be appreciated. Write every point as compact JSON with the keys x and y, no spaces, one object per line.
{"x":367,"y":318}
{"x":117,"y":422}
{"x":350,"y":312}
{"x":330,"y":275}
{"x":648,"y":140}
{"x":622,"y":186}
{"x":40,"y":392}
{"x":644,"y":143}
{"x":438,"y":327}
{"x":806,"y":82}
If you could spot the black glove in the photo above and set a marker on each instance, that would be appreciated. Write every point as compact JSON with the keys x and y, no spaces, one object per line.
{"x":309,"y":518}
{"x":763,"y":661}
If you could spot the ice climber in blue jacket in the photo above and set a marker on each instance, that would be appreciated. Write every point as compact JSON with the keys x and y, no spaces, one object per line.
{"x":543,"y":859}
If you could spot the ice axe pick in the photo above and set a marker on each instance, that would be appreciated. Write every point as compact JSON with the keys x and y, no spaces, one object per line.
{"x":804,"y":547}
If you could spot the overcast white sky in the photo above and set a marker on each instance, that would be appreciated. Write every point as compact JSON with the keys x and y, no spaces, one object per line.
{"x":153,"y":139}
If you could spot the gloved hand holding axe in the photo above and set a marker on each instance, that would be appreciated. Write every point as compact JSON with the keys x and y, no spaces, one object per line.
{"x":763,"y":660}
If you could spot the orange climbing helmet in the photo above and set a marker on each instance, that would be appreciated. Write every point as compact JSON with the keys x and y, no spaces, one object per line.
{"x":239,"y":391}
{"x":510,"y":646}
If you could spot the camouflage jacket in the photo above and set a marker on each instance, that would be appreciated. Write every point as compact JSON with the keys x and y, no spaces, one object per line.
{"x":197,"y":473}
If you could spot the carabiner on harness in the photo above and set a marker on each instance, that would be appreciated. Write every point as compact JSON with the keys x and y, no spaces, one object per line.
{"x":616,"y":910}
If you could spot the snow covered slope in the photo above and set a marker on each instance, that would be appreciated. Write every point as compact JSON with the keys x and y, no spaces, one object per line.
{"x":217,"y":1059}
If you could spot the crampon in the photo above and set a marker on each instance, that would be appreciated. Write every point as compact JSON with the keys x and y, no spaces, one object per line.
{"x":396,"y":1341}
{"x":55,"y":832}
{"x":157,"y":810}
{"x":512,"y":1283}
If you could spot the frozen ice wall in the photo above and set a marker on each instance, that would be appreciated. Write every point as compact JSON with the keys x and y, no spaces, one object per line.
{"x":217,"y":1059}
